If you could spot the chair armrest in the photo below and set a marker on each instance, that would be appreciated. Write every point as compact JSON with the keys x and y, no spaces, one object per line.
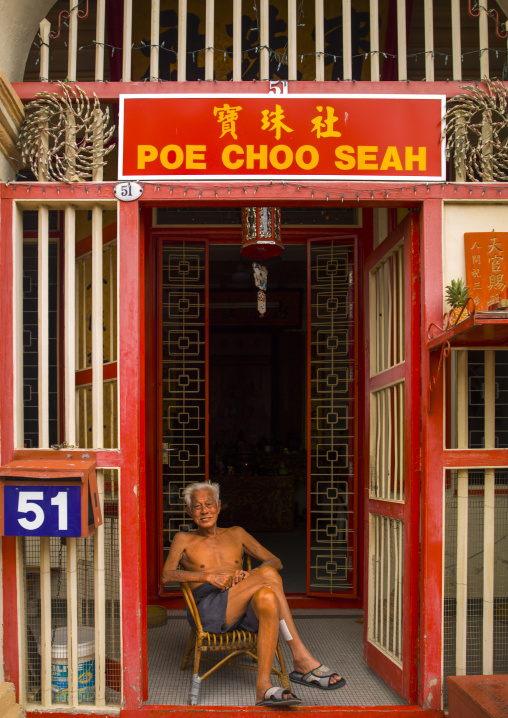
{"x":191,"y":605}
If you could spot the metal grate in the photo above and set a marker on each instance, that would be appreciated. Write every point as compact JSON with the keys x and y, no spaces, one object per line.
{"x":387,"y":443}
{"x":475,"y":627}
{"x":183,"y":379}
{"x":332,"y":420}
{"x":386,"y":581}
{"x":71,"y":620}
{"x":387,"y":312}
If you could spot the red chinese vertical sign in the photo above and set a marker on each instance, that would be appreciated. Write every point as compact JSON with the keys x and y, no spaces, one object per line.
{"x":486,"y":267}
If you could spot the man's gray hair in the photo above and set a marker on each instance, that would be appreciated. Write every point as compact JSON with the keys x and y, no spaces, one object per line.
{"x":199,"y":486}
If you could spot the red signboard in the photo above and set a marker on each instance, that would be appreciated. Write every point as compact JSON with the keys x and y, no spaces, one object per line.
{"x":360,"y":137}
{"x":486,"y":267}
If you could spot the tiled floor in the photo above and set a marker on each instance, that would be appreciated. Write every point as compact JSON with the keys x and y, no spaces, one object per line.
{"x":333,"y":636}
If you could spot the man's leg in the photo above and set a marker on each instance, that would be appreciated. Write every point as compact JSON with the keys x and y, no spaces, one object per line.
{"x":243,"y":592}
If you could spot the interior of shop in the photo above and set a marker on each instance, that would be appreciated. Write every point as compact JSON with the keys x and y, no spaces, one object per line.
{"x":258,"y":402}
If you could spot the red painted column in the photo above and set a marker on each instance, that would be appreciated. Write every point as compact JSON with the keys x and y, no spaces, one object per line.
{"x":10,"y":615}
{"x":130,"y":396}
{"x":432,"y":512}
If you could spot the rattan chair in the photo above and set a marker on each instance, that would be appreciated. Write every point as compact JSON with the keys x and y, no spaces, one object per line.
{"x":233,"y":643}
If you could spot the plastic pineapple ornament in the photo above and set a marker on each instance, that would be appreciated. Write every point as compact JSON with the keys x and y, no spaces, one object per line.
{"x":457,"y":294}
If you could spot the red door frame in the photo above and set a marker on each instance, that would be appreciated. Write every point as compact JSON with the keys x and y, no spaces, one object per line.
{"x":135,"y":325}
{"x":403,"y":679}
{"x":230,"y":235}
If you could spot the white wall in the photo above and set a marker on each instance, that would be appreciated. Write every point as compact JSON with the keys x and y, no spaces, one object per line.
{"x":461,"y":217}
{"x":19,"y":23}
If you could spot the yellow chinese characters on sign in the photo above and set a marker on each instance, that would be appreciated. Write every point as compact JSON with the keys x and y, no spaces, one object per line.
{"x":486,"y":267}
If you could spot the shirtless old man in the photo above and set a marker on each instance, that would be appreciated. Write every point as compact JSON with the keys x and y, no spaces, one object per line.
{"x":227,"y":596}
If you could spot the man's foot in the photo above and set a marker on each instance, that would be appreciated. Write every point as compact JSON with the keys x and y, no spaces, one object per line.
{"x":276,"y":697}
{"x":319,"y":676}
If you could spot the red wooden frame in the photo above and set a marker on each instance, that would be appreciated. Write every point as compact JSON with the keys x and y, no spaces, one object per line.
{"x":403,"y":679}
{"x":135,"y":327}
{"x":346,"y":240}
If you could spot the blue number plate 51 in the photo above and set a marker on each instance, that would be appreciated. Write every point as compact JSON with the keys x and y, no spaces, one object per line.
{"x":42,"y":510}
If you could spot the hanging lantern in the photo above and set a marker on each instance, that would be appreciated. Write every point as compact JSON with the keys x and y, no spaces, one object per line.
{"x":261,"y":232}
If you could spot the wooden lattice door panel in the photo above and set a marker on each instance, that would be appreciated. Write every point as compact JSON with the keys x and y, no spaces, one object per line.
{"x":332,"y":515}
{"x":392,"y":436}
{"x":183,"y":377}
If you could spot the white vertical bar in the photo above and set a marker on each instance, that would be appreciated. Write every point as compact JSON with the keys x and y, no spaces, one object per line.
{"x":72,"y":620}
{"x":429,"y":40}
{"x":462,"y":519}
{"x":389,"y":312}
{"x":378,"y":462}
{"x":347,"y":52}
{"x":381,"y":549}
{"x":389,"y":524}
{"x":456,"y":40}
{"x":320,"y":40}
{"x":72,"y":52}
{"x":264,"y":40}
{"x":43,"y":311}
{"x":401,"y":39}
{"x":374,"y":41}
{"x":375,"y":521}
{"x":392,"y":447}
{"x":100,"y":34}
{"x":292,"y":42}
{"x":97,"y":331}
{"x":402,"y":475}
{"x":154,"y":40}
{"x":70,"y":325}
{"x":237,"y":40}
{"x":45,"y":568}
{"x":100,"y":602}
{"x":396,"y":579}
{"x":382,"y":333}
{"x":209,"y":39}
{"x":402,"y":348}
{"x":396,"y":443}
{"x":400,"y":526}
{"x":98,"y":172}
{"x":127,"y":41}
{"x":44,"y":29}
{"x":489,"y":517}
{"x":83,"y":313}
{"x":182,"y":41}
{"x":21,"y":603}
{"x":483,"y":19}
{"x":17,"y":261}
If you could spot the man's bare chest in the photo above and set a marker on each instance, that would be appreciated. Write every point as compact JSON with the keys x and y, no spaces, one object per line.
{"x":213,"y":553}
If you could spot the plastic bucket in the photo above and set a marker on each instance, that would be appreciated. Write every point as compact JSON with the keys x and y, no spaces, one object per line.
{"x":86,"y":666}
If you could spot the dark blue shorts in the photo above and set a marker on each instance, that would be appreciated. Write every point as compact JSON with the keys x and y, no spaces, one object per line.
{"x":212,"y":603}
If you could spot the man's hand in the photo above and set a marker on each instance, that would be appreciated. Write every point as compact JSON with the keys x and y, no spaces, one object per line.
{"x":240,"y":576}
{"x":220,"y":580}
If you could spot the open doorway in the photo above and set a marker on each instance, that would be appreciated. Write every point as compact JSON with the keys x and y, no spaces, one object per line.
{"x":258,"y":401}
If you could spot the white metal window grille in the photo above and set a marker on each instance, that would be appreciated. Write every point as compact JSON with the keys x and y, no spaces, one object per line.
{"x":387,"y":312}
{"x":476,"y":525}
{"x":272,"y":39}
{"x":386,"y":581}
{"x":475,"y":623}
{"x":66,"y":331}
{"x":70,"y":615}
{"x":387,"y":453}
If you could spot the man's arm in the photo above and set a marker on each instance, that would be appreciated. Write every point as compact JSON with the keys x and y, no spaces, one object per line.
{"x":254,"y":549}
